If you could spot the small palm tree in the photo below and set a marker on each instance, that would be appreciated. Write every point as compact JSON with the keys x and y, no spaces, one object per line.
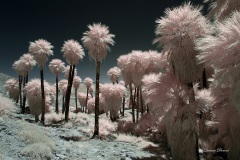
{"x":18,"y":66}
{"x":73,"y":53}
{"x":76,"y":83}
{"x":62,"y":85}
{"x":97,"y":41}
{"x":57,"y":67}
{"x":11,"y":86}
{"x":88,"y":83}
{"x":28,"y":63}
{"x":33,"y":93}
{"x":112,"y":95}
{"x":114,"y":74}
{"x":41,"y":50}
{"x":91,"y":89}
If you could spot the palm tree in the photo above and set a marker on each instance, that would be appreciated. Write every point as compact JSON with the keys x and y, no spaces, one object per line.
{"x":28,"y":63}
{"x":41,"y":50}
{"x":177,"y":32}
{"x":112,"y":95}
{"x":56,"y":66}
{"x":88,"y":83}
{"x":18,"y":66}
{"x":11,"y":86}
{"x":73,"y":53}
{"x":97,"y":41}
{"x":114,"y":74}
{"x":91,"y":89}
{"x":123,"y":64}
{"x":62,"y":85}
{"x":33,"y":93}
{"x":76,"y":83}
{"x":222,"y":9}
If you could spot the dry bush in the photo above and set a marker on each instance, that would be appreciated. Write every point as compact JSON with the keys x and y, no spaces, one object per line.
{"x":37,"y":151}
{"x":6,"y":105}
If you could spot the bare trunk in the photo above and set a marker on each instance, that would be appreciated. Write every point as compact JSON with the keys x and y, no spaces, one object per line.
{"x":43,"y":97}
{"x":204,"y":79}
{"x":86,"y":101}
{"x":25,"y":81}
{"x":20,"y":91}
{"x":131,"y":99}
{"x":56,"y":104}
{"x":63,"y":104}
{"x":137,"y":103}
{"x":68,"y":93}
{"x":76,"y":99}
{"x":96,"y":127}
{"x":36,"y":118}
{"x":123,"y":106}
{"x":141,"y":101}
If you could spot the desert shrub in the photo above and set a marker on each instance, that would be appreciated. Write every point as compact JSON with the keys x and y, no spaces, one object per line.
{"x":37,"y":151}
{"x":53,"y":117}
{"x":146,"y":125}
{"x":139,"y":141}
{"x":125,"y":126}
{"x":6,"y":105}
{"x":31,"y":134}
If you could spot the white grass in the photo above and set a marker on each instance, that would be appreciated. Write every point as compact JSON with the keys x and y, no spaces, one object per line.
{"x":5,"y":105}
{"x":40,"y":145}
{"x":139,"y":141}
{"x":37,"y":151}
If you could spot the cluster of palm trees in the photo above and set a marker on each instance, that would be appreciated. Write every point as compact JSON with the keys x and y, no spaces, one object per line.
{"x":191,"y":87}
{"x":97,"y":40}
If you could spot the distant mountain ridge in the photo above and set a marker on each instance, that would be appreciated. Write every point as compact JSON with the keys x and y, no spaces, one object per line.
{"x":4,"y":77}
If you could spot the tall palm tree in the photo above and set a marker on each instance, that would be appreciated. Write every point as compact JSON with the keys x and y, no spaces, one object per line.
{"x":56,"y":66}
{"x":97,"y":41}
{"x":73,"y":53}
{"x":41,"y":50}
{"x":177,"y":32}
{"x":76,"y":83}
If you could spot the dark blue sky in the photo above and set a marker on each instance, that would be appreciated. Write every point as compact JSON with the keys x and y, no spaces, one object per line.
{"x":132,"y":21}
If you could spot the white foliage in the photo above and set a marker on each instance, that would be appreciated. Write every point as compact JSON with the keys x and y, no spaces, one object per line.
{"x":41,"y":50}
{"x":72,"y":51}
{"x":56,"y":66}
{"x":97,"y":41}
{"x":112,"y":95}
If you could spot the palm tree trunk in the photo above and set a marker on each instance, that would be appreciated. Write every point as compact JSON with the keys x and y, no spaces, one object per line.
{"x":86,"y":101}
{"x":137,"y":103}
{"x":76,"y":99}
{"x":123,"y":106}
{"x":63,"y":104}
{"x":69,"y":88}
{"x":25,"y":81}
{"x":56,"y":104}
{"x":204,"y":79}
{"x":43,"y":97}
{"x":96,"y":127}
{"x":131,"y":99}
{"x":20,"y":91}
{"x":191,"y":100}
{"x":141,"y":101}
